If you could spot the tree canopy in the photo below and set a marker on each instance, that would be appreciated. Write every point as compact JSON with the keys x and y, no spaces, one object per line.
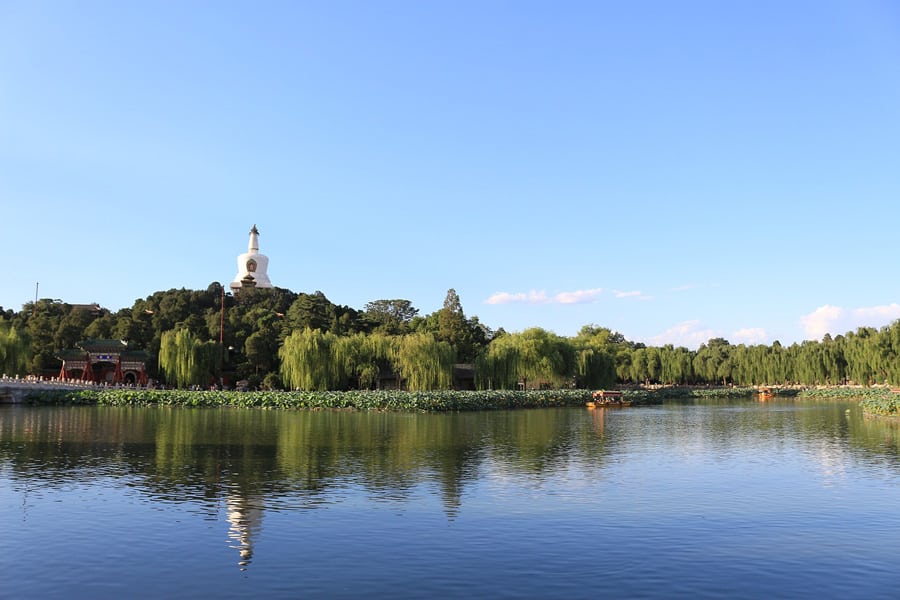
{"x":302,"y":340}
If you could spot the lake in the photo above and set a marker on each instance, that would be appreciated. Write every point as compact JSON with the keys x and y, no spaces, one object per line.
{"x":792,"y":499}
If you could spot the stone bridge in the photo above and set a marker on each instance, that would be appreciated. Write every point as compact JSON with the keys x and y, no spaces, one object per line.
{"x":14,"y":390}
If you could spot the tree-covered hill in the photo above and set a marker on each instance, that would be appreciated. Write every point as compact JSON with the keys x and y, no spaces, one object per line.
{"x":276,"y":338}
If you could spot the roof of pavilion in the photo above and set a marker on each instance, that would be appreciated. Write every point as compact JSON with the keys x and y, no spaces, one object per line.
{"x":102,"y":346}
{"x":71,"y":354}
{"x":99,"y":345}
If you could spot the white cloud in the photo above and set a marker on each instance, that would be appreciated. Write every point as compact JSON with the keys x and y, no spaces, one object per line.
{"x":535,"y":297}
{"x":532,"y":297}
{"x":637,"y":295}
{"x":838,"y":320}
{"x":749,"y":335}
{"x":577,"y":297}
{"x":690,"y":334}
{"x":817,"y":323}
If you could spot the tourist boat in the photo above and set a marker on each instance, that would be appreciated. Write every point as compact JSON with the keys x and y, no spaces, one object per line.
{"x":602,"y":398}
{"x":765,"y":394}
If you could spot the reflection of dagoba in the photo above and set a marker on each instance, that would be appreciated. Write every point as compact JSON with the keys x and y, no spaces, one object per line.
{"x":245,"y":516}
{"x":252,"y":266}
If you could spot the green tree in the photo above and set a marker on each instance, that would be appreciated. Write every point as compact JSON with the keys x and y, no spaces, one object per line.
{"x":363,"y":356}
{"x":186,"y":360}
{"x":423,"y":362}
{"x":452,"y":326}
{"x":596,"y":367}
{"x":389,"y":317}
{"x":42,"y":321}
{"x":308,"y":363}
{"x":469,"y":336}
{"x":261,"y":349}
{"x":535,"y":357}
{"x":14,"y":350}
{"x":712,"y":363}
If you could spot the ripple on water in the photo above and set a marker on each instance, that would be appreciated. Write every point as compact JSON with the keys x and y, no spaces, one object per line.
{"x":669,"y":502}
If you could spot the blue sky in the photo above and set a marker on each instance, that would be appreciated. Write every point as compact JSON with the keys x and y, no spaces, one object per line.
{"x":672,"y":170}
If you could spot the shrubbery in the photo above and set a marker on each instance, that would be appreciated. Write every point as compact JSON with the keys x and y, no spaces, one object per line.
{"x":878,"y":401}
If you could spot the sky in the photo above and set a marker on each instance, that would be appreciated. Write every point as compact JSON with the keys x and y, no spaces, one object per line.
{"x":674,"y":171}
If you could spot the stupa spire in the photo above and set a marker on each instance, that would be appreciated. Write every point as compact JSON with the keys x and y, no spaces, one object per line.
{"x":252,"y":266}
{"x":253,"y":246}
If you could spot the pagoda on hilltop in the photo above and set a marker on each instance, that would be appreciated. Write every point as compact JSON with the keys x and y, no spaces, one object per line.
{"x":252,"y":266}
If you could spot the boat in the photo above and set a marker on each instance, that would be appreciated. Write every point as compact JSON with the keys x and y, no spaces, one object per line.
{"x":765,"y":394}
{"x":602,"y":398}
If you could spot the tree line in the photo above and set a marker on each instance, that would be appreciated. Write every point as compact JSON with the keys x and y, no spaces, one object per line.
{"x":276,"y":338}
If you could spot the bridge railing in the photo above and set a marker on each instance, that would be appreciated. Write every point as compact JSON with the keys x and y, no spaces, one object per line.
{"x":57,"y":382}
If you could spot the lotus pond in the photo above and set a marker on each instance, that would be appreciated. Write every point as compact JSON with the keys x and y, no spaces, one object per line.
{"x":702,"y":498}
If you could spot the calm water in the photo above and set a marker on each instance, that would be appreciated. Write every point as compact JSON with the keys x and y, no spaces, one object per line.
{"x":784,"y":499}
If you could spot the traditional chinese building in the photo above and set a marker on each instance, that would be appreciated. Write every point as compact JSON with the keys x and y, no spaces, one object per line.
{"x":104,"y":361}
{"x":252,"y":266}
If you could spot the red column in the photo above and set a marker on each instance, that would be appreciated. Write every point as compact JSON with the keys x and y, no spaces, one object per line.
{"x":87,"y":374}
{"x":117,"y":376}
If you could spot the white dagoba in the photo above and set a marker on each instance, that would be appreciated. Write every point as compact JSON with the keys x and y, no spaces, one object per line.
{"x":252,"y":266}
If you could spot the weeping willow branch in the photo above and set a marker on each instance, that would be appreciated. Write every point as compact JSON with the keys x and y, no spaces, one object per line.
{"x":186,"y":360}
{"x":423,"y":362}
{"x":14,"y":351}
{"x":316,"y":360}
{"x":308,"y":362}
{"x":534,"y":357}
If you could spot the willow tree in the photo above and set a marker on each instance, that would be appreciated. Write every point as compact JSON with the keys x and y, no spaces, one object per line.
{"x":423,"y":362}
{"x":595,"y":363}
{"x":498,"y":366}
{"x":675,"y":365}
{"x":833,"y":357}
{"x":186,"y":360}
{"x":13,"y":351}
{"x":858,"y":351}
{"x":623,"y":362}
{"x":361,"y":357}
{"x":892,"y":333}
{"x":712,"y":362}
{"x":596,"y":368}
{"x":308,"y":362}
{"x":535,"y":355}
{"x":546,"y":358}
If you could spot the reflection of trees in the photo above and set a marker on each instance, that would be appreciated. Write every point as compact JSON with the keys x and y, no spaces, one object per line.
{"x":825,"y":427}
{"x":56,"y":445}
{"x":239,"y":464}
{"x":879,"y":436}
{"x":534,"y":441}
{"x":831,"y":425}
{"x":204,"y":455}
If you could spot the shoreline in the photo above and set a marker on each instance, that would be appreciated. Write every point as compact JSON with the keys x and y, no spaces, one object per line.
{"x":873,"y":400}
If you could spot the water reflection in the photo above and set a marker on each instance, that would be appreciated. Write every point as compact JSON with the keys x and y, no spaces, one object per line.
{"x":245,"y":516}
{"x":237,"y":465}
{"x":248,"y":462}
